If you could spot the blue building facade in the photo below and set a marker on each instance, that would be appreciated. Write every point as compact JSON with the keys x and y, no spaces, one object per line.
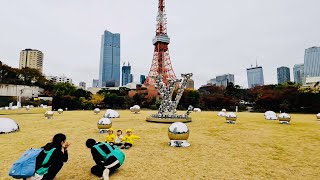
{"x":255,"y":77}
{"x":283,"y":74}
{"x":298,"y":73}
{"x":109,"y":72}
{"x":312,"y":62}
{"x":127,"y":77}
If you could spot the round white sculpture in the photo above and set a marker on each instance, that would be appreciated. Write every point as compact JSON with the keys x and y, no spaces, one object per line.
{"x":196,"y":110}
{"x":231,"y":118}
{"x":104,"y":124}
{"x":8,"y":125}
{"x":135,"y":109}
{"x":222,"y":114}
{"x":284,"y":118}
{"x":270,"y":115}
{"x":60,"y":111}
{"x":318,"y":116}
{"x":45,"y":107}
{"x":178,"y":134}
{"x":27,"y":108}
{"x":96,"y":111}
{"x":224,"y":110}
{"x":14,"y":107}
{"x":111,"y":114}
{"x":48,"y":114}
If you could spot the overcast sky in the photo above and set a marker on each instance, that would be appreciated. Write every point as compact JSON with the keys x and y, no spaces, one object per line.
{"x":208,"y":37}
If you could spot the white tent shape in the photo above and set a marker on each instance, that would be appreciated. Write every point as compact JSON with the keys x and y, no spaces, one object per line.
{"x":196,"y":110}
{"x":8,"y":125}
{"x":270,"y":115}
{"x":111,"y":114}
{"x":222,"y":114}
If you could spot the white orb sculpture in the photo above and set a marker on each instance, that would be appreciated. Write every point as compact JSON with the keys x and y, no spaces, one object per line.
{"x":284,"y":118}
{"x":222,"y":114}
{"x":270,"y":115}
{"x":96,"y":111}
{"x":111,"y":114}
{"x":135,"y":109}
{"x":14,"y":107}
{"x":45,"y":107}
{"x":224,"y":110}
{"x":8,"y":125}
{"x":231,"y":118}
{"x":196,"y":110}
{"x":318,"y":116}
{"x":27,"y":108}
{"x":178,"y":134}
{"x":104,"y":124}
{"x":60,"y":111}
{"x":48,"y":114}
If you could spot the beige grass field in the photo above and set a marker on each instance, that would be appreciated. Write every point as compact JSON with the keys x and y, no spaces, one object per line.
{"x":253,"y":148}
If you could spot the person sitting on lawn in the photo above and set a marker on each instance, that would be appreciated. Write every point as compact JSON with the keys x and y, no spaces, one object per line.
{"x":110,"y":138}
{"x":129,"y":139}
{"x":119,"y":137}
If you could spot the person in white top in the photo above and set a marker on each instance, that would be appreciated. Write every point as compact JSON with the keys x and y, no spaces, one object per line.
{"x":119,"y":137}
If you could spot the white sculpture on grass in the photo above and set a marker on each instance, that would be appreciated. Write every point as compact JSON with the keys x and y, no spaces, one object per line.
{"x":135,"y":109}
{"x":8,"y":125}
{"x":104,"y":124}
{"x":111,"y":114}
{"x":231,"y":118}
{"x":318,"y":116}
{"x":284,"y":118}
{"x":222,"y":114}
{"x":178,"y":134}
{"x":60,"y":111}
{"x":49,"y":114}
{"x":168,"y":107}
{"x":270,"y":115}
{"x":196,"y":110}
{"x":96,"y":111}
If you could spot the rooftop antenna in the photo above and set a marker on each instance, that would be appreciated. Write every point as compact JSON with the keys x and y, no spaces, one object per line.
{"x":256,"y":62}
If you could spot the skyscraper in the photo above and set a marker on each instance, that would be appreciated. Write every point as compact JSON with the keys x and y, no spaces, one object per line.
{"x":127,"y":77}
{"x":255,"y":76}
{"x":298,"y":73}
{"x":224,"y":80}
{"x":283,"y":74}
{"x":31,"y":58}
{"x":312,"y":62}
{"x":82,"y":85}
{"x":109,"y":72}
{"x":142,"y":79}
{"x":95,"y":83}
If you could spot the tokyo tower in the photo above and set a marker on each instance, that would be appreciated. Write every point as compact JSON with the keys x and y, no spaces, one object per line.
{"x":161,"y":64}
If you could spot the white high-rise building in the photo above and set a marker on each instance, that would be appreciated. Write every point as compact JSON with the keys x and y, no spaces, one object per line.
{"x":59,"y":79}
{"x":31,"y":58}
{"x":312,"y":62}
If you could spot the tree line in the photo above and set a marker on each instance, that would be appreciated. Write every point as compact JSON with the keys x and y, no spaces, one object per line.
{"x":286,"y":97}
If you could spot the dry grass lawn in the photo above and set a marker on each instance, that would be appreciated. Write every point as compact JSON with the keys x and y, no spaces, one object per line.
{"x":253,"y":148}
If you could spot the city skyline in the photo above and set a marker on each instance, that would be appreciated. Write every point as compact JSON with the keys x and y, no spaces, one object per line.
{"x":273,"y":34}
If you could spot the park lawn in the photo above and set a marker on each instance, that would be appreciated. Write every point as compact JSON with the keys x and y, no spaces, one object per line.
{"x":253,"y":148}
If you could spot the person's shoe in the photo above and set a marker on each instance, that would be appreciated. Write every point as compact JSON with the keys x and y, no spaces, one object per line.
{"x":127,"y":147}
{"x":105,"y":174}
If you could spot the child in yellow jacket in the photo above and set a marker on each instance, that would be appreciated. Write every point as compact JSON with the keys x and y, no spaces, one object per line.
{"x":128,"y":139}
{"x":110,"y":138}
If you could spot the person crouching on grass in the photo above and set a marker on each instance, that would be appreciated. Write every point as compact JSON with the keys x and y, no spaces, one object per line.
{"x":107,"y":158}
{"x":129,"y":139}
{"x":110,"y":138}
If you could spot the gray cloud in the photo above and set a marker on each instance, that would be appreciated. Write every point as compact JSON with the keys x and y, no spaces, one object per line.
{"x":208,"y":37}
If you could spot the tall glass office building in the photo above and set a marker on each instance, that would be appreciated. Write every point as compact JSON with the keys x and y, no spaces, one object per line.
{"x":109,"y":72}
{"x":224,"y":80}
{"x":255,"y":77}
{"x":127,"y":77}
{"x":283,"y":74}
{"x":298,"y":73}
{"x":312,"y":62}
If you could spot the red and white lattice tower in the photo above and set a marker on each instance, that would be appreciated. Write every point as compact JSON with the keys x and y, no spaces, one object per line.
{"x":161,"y":64}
